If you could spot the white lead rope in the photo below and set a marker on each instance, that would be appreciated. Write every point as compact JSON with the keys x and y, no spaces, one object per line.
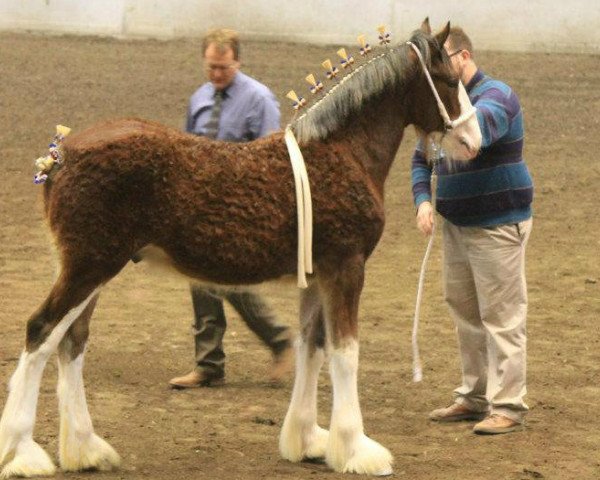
{"x":303,"y":208}
{"x":417,"y":368}
{"x":449,"y":124}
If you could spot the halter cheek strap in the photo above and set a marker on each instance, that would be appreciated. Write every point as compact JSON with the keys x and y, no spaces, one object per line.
{"x":448,"y":124}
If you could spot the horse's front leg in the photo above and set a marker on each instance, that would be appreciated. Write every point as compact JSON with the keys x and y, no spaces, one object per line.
{"x":79,"y":447}
{"x":301,"y":437}
{"x":348,"y":449}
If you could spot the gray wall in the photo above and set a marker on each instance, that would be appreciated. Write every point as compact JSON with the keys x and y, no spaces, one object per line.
{"x":518,"y":25}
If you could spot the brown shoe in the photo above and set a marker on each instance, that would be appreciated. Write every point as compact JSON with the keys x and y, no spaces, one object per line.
{"x":196,"y":379}
{"x":455,"y":413}
{"x":283,"y":362}
{"x":497,"y":423}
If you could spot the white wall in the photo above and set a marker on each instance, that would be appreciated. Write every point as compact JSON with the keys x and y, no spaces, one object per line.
{"x":522,"y":25}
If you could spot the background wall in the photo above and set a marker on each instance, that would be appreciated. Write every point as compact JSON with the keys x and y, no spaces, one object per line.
{"x":532,"y":25}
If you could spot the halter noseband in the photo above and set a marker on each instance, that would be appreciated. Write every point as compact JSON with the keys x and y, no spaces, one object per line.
{"x":448,"y":124}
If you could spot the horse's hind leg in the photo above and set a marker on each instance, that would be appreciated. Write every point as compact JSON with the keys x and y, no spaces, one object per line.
{"x":348,"y":449}
{"x":45,"y":330}
{"x":301,"y":437}
{"x":79,"y":447}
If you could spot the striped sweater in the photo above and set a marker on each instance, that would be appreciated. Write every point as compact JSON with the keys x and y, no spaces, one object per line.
{"x":495,"y":188}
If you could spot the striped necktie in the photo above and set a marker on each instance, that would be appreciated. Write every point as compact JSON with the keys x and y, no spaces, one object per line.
{"x":211,"y":128}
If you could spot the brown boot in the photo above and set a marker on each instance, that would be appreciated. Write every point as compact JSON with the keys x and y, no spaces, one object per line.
{"x":283,"y":362}
{"x":455,"y":413}
{"x":196,"y":379}
{"x":497,"y":423}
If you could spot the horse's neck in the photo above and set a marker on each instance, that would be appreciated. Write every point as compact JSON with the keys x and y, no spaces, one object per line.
{"x":375,"y":136}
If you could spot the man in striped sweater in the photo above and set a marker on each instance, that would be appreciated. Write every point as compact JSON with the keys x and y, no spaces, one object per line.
{"x":486,"y":220}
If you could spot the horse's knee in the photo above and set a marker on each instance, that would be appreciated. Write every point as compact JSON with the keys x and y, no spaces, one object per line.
{"x":39,"y":327}
{"x":74,"y":341}
{"x":48,"y":326}
{"x":318,"y":335}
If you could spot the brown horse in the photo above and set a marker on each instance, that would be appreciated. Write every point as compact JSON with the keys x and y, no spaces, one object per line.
{"x":224,"y":213}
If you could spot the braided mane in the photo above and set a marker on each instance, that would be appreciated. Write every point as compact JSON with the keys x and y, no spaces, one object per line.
{"x":385,"y":72}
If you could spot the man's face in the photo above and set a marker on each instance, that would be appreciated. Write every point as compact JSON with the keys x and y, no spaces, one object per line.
{"x":458,"y":59}
{"x":220,"y":66}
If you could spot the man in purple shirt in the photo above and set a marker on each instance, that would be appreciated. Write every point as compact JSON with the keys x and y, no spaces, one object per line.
{"x":231,"y":107}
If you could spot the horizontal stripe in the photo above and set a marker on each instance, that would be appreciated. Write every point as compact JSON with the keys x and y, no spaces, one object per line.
{"x":494,"y":219}
{"x":483,"y":162}
{"x":497,"y":202}
{"x":482,"y":182}
{"x":422,"y":197}
{"x":495,"y":187}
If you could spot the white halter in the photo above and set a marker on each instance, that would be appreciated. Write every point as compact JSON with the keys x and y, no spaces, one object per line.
{"x":449,"y":124}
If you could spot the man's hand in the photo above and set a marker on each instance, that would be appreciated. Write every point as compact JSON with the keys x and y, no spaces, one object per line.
{"x":425,"y":218}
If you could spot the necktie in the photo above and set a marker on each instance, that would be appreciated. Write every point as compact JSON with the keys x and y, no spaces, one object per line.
{"x":212,"y":126}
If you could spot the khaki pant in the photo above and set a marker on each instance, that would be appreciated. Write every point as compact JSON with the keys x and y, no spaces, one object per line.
{"x":485,"y":288}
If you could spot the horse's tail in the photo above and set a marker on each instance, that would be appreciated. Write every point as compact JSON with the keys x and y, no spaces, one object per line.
{"x":49,"y":164}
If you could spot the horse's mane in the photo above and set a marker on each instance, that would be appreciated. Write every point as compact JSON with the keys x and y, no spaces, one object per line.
{"x":382,"y":73}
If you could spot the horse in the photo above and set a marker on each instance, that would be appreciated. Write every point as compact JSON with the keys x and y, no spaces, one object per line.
{"x":222,"y":213}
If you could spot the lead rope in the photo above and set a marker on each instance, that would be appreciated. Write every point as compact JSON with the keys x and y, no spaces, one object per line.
{"x":417,"y":367}
{"x":449,"y":125}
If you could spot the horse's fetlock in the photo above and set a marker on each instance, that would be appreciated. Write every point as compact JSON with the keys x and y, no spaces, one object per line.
{"x":346,"y":431}
{"x":305,"y":420}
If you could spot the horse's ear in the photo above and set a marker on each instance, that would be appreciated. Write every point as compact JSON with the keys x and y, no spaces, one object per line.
{"x":442,"y":36}
{"x":425,"y":27}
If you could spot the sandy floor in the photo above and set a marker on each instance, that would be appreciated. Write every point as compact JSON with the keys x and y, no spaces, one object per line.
{"x":141,"y":333}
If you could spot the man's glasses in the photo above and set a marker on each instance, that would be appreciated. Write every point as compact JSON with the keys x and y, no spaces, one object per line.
{"x":219,"y":68}
{"x":450,"y":55}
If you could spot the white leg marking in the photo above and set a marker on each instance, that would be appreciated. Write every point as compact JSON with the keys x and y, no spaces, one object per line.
{"x":80,"y":448}
{"x":349,"y":449}
{"x":18,"y":418}
{"x":300,"y":436}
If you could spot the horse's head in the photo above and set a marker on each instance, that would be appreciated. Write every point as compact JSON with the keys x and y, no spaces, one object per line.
{"x":443,"y":113}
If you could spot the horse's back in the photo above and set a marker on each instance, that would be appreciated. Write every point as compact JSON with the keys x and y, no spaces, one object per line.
{"x":124,"y":130}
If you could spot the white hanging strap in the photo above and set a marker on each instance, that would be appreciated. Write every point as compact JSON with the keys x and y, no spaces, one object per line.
{"x":303,"y":208}
{"x":464,"y":116}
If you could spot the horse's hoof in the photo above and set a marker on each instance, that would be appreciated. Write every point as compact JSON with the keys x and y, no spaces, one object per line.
{"x":30,"y":461}
{"x":368,"y":458}
{"x":295,"y":445}
{"x":317,"y":443}
{"x":92,"y":454}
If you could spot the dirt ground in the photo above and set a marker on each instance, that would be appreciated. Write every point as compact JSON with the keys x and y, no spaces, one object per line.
{"x":141,"y":328}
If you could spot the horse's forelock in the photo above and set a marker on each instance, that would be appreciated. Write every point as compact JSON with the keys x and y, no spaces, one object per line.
{"x":425,"y":43}
{"x":421,"y":41}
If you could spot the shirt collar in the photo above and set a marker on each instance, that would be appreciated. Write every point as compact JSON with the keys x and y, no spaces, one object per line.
{"x":232,"y":88}
{"x":475,"y":80}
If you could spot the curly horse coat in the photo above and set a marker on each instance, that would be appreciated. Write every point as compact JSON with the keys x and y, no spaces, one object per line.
{"x":224,"y":213}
